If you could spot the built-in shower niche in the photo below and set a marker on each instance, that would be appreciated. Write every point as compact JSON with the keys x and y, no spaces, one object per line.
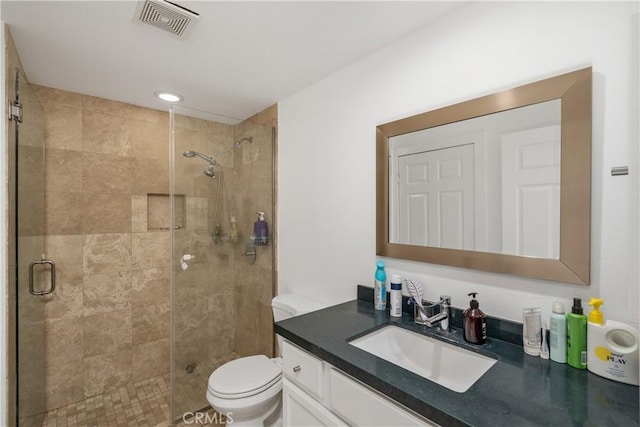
{"x":159,"y":212}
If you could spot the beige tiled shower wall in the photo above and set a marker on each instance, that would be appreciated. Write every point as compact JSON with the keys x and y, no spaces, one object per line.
{"x":107,"y":324}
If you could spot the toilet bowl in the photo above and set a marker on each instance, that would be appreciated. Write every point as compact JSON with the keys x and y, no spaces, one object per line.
{"x":248,"y":390}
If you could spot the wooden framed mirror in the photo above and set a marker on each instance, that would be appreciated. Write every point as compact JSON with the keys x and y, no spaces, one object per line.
{"x":421,"y":221}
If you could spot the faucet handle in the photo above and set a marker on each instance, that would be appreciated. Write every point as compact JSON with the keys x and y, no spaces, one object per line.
{"x":445,"y":299}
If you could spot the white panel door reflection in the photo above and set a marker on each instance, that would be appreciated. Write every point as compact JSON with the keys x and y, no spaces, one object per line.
{"x":436,"y":198}
{"x":531,"y":192}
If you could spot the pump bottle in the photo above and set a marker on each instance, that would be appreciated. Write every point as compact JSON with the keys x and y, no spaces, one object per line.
{"x":558,"y":334}
{"x":260,"y":230}
{"x":577,"y":336}
{"x":233,"y":233}
{"x":475,"y":324}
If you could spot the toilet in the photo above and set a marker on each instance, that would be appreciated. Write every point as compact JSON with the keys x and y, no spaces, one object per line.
{"x":249,"y":389}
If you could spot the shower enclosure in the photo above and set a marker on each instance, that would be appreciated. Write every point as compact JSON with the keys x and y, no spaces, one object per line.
{"x":107,"y":313}
{"x":222,"y":282}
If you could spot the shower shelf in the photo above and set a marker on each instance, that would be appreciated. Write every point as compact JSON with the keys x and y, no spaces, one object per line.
{"x":223,"y":238}
{"x":251,"y":241}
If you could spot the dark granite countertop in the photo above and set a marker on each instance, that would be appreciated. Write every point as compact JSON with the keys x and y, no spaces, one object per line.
{"x":519,"y":390}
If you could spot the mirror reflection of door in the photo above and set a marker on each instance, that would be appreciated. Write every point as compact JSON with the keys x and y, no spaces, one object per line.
{"x":443,"y":204}
{"x":531,"y":192}
{"x":436,"y":193}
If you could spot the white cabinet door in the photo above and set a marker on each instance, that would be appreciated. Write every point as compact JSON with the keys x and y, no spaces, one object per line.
{"x":299,"y":409}
{"x":362,"y":406}
{"x":303,"y":368}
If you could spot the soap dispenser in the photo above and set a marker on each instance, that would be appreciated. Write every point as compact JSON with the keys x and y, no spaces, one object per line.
{"x":474,"y":323}
{"x":233,"y":233}
{"x":260,"y":230}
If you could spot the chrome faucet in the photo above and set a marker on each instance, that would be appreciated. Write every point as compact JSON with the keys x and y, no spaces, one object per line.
{"x":442,"y":317}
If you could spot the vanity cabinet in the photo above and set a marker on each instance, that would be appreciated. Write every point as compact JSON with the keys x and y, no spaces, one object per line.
{"x":315,"y":393}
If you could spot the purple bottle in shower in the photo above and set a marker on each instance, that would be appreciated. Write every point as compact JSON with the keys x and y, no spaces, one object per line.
{"x":260,"y":230}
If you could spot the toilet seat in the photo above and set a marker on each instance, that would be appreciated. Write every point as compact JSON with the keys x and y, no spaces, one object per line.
{"x":244,"y":377}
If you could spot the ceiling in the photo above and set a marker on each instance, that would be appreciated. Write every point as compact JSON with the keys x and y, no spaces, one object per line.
{"x":239,"y":57}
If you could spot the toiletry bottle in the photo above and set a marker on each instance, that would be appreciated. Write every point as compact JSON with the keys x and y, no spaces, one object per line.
{"x":380,"y":290}
{"x":558,"y":334}
{"x":395,"y":296}
{"x":577,"y":336}
{"x":532,"y":330}
{"x":474,"y":322}
{"x":544,"y":348}
{"x":260,"y":230}
{"x":612,"y":347}
{"x":233,"y":234}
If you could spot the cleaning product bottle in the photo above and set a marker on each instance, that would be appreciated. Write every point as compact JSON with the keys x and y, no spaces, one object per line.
{"x":558,"y":334}
{"x":395,"y":296}
{"x":260,"y":230}
{"x":577,"y":336}
{"x":233,"y":234}
{"x":474,"y":322}
{"x":380,"y":289}
{"x":612,"y":347}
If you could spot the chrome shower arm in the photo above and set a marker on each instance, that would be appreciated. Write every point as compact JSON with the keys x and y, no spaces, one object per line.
{"x":211,"y":159}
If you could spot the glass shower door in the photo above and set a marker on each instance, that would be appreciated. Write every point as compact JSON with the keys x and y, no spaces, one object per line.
{"x":34,"y":273}
{"x":222,"y":281}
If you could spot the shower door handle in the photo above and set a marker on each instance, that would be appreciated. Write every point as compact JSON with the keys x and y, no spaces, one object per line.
{"x":53,"y":277}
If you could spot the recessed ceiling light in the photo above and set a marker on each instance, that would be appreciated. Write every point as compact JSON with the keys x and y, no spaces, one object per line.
{"x":168,"y":96}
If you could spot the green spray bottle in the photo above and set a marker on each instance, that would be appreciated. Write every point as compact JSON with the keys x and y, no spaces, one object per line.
{"x":577,"y":336}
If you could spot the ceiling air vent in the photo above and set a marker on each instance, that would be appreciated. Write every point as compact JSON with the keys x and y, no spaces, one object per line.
{"x":167,"y":16}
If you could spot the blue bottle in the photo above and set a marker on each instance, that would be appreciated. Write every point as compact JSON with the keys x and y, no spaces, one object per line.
{"x":380,"y":288}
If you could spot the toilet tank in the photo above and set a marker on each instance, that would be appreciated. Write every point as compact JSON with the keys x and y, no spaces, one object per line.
{"x":290,"y":305}
{"x":286,"y":306}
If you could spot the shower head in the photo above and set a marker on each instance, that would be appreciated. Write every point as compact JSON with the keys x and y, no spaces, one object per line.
{"x":212,"y":159}
{"x":210,"y":171}
{"x":190,"y":154}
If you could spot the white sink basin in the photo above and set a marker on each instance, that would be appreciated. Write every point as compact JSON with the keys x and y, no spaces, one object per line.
{"x":450,"y":366}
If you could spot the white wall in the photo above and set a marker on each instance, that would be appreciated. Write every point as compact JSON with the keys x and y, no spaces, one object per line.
{"x":327,"y":149}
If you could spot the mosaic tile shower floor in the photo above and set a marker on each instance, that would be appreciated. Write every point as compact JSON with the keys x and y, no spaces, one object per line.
{"x":144,"y":404}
